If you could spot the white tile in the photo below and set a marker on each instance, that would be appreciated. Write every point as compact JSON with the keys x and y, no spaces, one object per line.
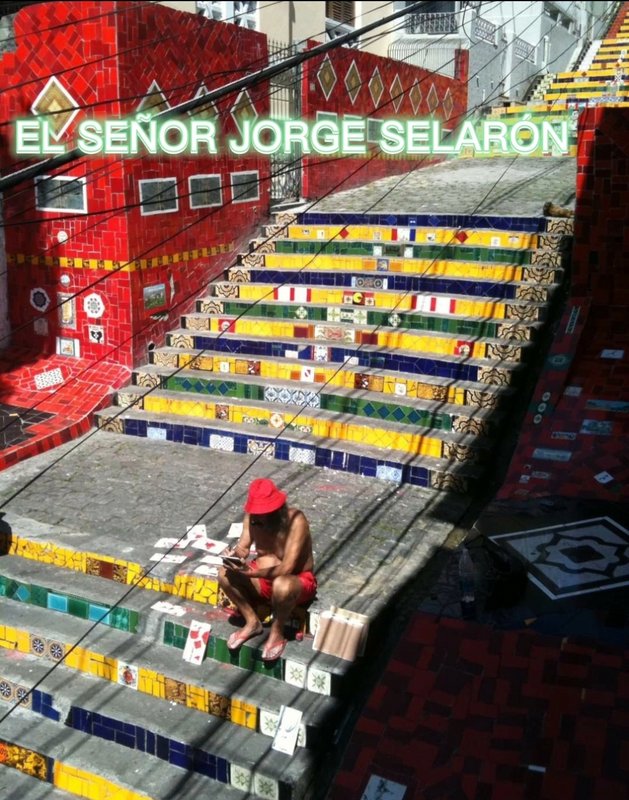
{"x":382,"y":789}
{"x":319,"y":681}
{"x":240,"y":777}
{"x":265,"y":787}
{"x":295,"y":673}
{"x":268,"y":722}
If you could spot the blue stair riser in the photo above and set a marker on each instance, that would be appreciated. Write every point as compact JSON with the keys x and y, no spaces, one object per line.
{"x":281,"y":449}
{"x":415,"y":365}
{"x":392,"y":282}
{"x":522,"y":224}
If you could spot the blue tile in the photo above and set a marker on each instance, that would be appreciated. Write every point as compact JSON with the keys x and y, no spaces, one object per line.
{"x":163,"y":747}
{"x":125,"y":739}
{"x":37,"y":700}
{"x":150,"y":743}
{"x":180,"y":759}
{"x":140,"y":738}
{"x":104,"y":733}
{"x":57,"y":602}
{"x":222,"y":770}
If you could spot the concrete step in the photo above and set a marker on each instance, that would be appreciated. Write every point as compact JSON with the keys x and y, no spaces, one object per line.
{"x":254,"y":289}
{"x":368,"y":355}
{"x":196,"y":743}
{"x":298,"y":446}
{"x":148,"y":668}
{"x":363,"y":403}
{"x":286,"y":370}
{"x":396,"y":338}
{"x":81,"y":595}
{"x":17,"y":785}
{"x":86,"y":766}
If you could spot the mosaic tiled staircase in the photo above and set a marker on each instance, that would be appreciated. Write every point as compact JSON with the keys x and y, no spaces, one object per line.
{"x":604,"y":80}
{"x":201,"y":730}
{"x":376,"y":345}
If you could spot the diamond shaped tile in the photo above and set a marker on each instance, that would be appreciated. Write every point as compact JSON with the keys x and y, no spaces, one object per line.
{"x":243,"y":109}
{"x":461,"y":236}
{"x":376,"y":87}
{"x":397,"y":92}
{"x":154,"y":100}
{"x":206,"y":110}
{"x":415,"y":96}
{"x":326,"y":77}
{"x":55,"y":101}
{"x":433,"y":99}
{"x":353,"y":82}
{"x":448,"y":103}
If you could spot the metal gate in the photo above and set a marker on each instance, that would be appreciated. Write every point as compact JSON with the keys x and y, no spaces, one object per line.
{"x":285,"y":91}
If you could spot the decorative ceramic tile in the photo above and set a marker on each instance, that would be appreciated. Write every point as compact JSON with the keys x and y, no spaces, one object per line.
{"x":268,"y":722}
{"x":415,"y":96}
{"x":432,"y":101}
{"x":295,"y":673}
{"x":386,"y":472}
{"x":448,"y":482}
{"x":7,"y":690}
{"x":319,"y":681}
{"x":260,"y":448}
{"x":397,"y":92}
{"x":353,"y":82}
{"x":240,"y":777}
{"x":93,"y":306}
{"x":265,"y":787}
{"x":127,"y":675}
{"x":225,"y":443}
{"x":326,"y":76}
{"x":55,"y":650}
{"x":321,"y":353}
{"x":39,"y":299}
{"x":301,"y":455}
{"x":448,"y":103}
{"x":52,"y":377}
{"x":376,"y":87}
{"x":243,"y":109}
{"x":175,"y":691}
{"x":96,"y":334}
{"x":574,"y":558}
{"x":57,"y":104}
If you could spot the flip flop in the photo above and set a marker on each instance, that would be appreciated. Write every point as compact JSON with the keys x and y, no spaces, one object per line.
{"x":274,"y":652}
{"x":237,"y":639}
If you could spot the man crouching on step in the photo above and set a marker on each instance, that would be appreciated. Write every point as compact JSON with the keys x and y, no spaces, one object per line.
{"x":282,"y":572}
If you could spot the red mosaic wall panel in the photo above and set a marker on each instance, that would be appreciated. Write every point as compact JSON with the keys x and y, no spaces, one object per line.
{"x":402,"y":102}
{"x":118,"y":54}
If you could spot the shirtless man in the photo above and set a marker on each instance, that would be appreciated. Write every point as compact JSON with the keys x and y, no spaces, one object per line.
{"x":282,"y":571}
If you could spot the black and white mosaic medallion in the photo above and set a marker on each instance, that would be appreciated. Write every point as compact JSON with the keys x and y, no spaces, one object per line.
{"x":576,"y":558}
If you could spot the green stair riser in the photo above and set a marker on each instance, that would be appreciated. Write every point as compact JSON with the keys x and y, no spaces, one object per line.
{"x":383,"y":412}
{"x":380,"y":318}
{"x":123,"y":619}
{"x":441,"y":252}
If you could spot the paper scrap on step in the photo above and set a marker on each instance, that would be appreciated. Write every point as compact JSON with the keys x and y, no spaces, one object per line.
{"x":196,"y":532}
{"x":285,"y":738}
{"x":235,"y":530}
{"x":169,"y":608}
{"x":168,"y":558}
{"x":196,"y":643}
{"x":207,"y":570}
{"x":213,"y":546}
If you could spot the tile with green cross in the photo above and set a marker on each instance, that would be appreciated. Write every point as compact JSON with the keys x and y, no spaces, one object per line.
{"x":492,"y":255}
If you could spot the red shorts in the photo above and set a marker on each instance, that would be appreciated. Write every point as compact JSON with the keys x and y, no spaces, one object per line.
{"x":308,"y":586}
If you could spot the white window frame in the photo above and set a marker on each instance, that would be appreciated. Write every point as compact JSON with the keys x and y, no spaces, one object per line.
{"x":257,"y":186}
{"x":227,"y":12}
{"x":158,"y":211}
{"x":82,"y":181}
{"x":220,"y":190}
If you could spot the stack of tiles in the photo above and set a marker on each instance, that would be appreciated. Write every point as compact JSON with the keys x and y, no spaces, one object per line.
{"x":379,"y":345}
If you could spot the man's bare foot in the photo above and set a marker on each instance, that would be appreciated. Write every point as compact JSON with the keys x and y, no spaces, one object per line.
{"x":238,"y":638}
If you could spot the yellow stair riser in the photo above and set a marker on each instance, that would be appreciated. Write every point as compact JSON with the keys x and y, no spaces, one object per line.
{"x":272,"y":370}
{"x":431,"y":343}
{"x":323,"y":233}
{"x":454,"y":269}
{"x":399,"y":302}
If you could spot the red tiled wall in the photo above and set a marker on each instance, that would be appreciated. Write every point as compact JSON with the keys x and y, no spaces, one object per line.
{"x":141,"y":43}
{"x":322,"y":174}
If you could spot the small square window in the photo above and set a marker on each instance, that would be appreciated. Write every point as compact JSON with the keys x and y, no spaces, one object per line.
{"x":61,"y":194}
{"x":245,"y":186}
{"x":205,"y":191}
{"x":158,"y":196}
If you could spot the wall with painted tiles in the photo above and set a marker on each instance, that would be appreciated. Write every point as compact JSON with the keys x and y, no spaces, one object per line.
{"x":148,"y":267}
{"x":351,"y":82}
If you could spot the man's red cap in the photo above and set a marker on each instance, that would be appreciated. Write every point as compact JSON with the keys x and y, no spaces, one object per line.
{"x":264,"y":497}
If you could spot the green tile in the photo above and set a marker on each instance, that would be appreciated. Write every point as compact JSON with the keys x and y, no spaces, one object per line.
{"x":39,"y":596}
{"x":120,"y":618}
{"x":134,"y":621}
{"x":272,"y":670}
{"x":78,"y":607}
